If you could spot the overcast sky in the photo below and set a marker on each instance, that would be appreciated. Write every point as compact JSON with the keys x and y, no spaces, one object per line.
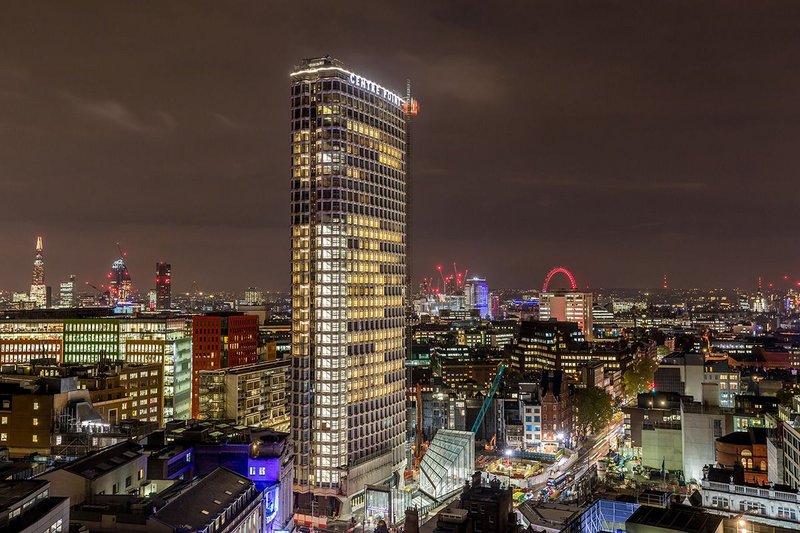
{"x":623,"y":140}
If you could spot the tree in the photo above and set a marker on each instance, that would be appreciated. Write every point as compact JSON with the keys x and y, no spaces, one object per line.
{"x":594,"y":409}
{"x":639,"y":376}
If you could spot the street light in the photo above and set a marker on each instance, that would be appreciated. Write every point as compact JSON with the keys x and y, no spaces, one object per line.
{"x":509,"y":452}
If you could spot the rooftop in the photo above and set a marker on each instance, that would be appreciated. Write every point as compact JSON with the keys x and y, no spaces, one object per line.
{"x":750,"y":437}
{"x":549,"y":514}
{"x":13,"y":491}
{"x":677,"y":518}
{"x":204,"y":500}
{"x":107,"y":459}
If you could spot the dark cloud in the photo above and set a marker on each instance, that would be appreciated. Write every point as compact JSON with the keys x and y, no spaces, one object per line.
{"x":622,"y":139}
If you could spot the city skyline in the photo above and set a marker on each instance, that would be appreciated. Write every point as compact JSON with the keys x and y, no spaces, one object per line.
{"x":624,"y":130}
{"x":385,"y":268}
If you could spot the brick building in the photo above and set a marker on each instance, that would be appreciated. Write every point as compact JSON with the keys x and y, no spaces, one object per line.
{"x":221,"y":340}
{"x":748,"y":449}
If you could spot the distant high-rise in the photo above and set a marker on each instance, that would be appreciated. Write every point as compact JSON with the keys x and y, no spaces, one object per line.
{"x":476,"y":294}
{"x":66,"y":293}
{"x":253,"y":296}
{"x":163,"y":285}
{"x":120,"y":287}
{"x":38,"y":293}
{"x":348,"y":245}
{"x":569,"y":306}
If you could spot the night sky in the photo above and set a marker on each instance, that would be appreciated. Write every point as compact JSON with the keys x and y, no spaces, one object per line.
{"x":623,"y":140}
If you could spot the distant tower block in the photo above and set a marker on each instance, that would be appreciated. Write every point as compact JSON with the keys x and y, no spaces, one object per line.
{"x":666,"y":283}
{"x":163,"y":285}
{"x":119,"y":281}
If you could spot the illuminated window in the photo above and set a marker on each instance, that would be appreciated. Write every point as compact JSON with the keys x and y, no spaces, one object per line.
{"x":35,"y":438}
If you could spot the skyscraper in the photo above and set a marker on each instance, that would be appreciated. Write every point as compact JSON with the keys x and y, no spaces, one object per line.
{"x":66,"y":293}
{"x":38,"y":289}
{"x":163,"y":285}
{"x":348,"y":243}
{"x":120,"y":287}
{"x":476,"y":294}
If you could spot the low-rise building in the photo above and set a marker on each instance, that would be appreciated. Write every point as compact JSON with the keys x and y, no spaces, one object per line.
{"x":219,"y":502}
{"x":27,"y":506}
{"x":748,"y":449}
{"x":118,"y":469}
{"x":724,"y":489}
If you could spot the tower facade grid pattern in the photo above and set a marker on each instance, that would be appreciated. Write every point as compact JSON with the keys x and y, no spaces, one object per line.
{"x":348,"y":245}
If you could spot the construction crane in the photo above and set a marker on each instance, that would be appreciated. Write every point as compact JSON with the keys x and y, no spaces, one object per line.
{"x":488,"y":400}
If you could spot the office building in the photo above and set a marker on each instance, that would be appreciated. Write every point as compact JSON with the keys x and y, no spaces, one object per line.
{"x":23,"y":340}
{"x":163,"y":285}
{"x":38,"y":294}
{"x":348,"y":213}
{"x":120,"y":286}
{"x":476,"y":294}
{"x":221,"y":340}
{"x":66,"y":293}
{"x":89,"y":337}
{"x":126,"y":392}
{"x":90,"y":340}
{"x":253,"y":296}
{"x":542,"y":345}
{"x":251,"y":395}
{"x":568,"y":306}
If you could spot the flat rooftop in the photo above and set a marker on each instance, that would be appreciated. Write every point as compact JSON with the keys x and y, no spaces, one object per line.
{"x":677,"y":519}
